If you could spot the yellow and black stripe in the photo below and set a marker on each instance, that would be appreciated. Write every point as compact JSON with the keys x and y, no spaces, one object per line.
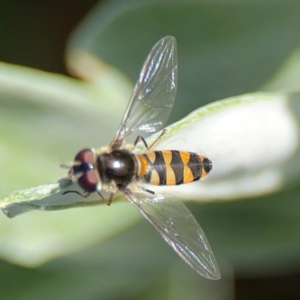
{"x":171,"y":167}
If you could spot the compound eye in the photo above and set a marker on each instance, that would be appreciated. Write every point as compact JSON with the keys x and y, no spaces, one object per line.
{"x":88,"y":181}
{"x":84,"y":170}
{"x":84,"y":162}
{"x":85,"y":156}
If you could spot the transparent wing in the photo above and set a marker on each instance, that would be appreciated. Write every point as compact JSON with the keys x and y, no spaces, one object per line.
{"x":172,"y":219}
{"x":154,"y":94}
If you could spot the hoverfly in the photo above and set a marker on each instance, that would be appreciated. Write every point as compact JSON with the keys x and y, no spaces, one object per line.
{"x":118,"y":167}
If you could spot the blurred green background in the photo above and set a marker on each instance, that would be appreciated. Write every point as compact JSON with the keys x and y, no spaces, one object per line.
{"x":224,"y":49}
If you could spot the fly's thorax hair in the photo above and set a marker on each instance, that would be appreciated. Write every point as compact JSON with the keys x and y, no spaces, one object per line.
{"x":135,"y":186}
{"x":128,"y":147}
{"x":108,"y":149}
{"x":104,"y":149}
{"x":110,"y":187}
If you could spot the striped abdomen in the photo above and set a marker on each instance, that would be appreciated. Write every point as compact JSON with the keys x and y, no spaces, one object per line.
{"x":171,"y":167}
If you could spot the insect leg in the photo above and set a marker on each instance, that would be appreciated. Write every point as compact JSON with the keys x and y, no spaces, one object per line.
{"x":158,"y":139}
{"x":140,"y":138}
{"x":86,"y":195}
{"x":110,"y":199}
{"x":146,"y":190}
{"x":101,"y":196}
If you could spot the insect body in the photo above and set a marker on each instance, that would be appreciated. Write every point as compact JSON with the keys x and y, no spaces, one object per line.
{"x":121,"y":167}
{"x":171,"y":167}
{"x":118,"y":167}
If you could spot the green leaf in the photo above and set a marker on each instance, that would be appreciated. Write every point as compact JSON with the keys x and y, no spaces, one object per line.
{"x":45,"y":118}
{"x":240,"y":135}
